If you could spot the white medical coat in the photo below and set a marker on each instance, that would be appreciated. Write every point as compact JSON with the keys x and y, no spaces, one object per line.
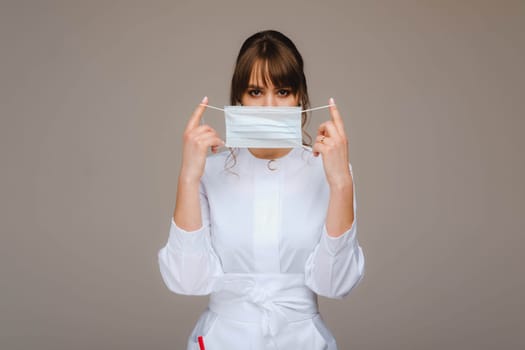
{"x":263,"y":254}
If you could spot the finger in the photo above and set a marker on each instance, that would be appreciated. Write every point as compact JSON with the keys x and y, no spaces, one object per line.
{"x":191,"y":134}
{"x":216,"y":148}
{"x":217,"y":143}
{"x":209,"y":140}
{"x":202,"y":129}
{"x":336,"y":118}
{"x":328,"y":129}
{"x":324,"y":140}
{"x":318,"y":148}
{"x":199,"y":130}
{"x":197,"y":114}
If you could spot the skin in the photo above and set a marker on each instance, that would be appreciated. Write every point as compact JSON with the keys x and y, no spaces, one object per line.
{"x":333,"y":150}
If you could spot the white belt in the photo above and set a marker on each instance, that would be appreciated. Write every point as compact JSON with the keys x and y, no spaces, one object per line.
{"x":271,"y":300}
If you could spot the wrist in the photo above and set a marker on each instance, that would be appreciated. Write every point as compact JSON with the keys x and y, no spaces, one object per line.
{"x":188,"y":179}
{"x":341,"y":183}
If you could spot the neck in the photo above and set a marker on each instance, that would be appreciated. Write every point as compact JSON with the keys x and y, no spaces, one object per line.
{"x":269,"y":153}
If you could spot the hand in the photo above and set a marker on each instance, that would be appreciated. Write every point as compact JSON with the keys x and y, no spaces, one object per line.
{"x":197,"y":139}
{"x":332,"y":144}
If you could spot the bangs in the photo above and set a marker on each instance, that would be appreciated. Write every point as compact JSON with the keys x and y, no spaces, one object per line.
{"x":274,"y":71}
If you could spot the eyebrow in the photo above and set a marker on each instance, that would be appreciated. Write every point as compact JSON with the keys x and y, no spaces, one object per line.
{"x":251,"y":86}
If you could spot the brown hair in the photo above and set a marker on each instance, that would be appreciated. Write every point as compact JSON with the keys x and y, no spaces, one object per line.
{"x":278,"y":62}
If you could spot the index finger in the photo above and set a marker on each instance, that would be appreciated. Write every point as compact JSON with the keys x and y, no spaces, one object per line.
{"x":336,"y":118}
{"x":195,"y":118}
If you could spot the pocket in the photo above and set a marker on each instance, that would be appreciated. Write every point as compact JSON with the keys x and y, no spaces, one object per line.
{"x":203,"y":328}
{"x":325,"y":338}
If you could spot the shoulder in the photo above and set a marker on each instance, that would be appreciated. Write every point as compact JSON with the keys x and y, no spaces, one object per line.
{"x":305,"y":155}
{"x":217,"y":157}
{"x":218,"y":160}
{"x":218,"y":164}
{"x":305,"y":158}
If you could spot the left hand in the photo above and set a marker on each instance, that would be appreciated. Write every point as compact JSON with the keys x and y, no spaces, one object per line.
{"x":332,"y":144}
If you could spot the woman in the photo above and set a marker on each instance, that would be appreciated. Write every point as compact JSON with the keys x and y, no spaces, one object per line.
{"x":264,"y":230}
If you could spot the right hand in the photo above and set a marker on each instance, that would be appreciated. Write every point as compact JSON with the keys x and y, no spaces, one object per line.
{"x":197,"y":139}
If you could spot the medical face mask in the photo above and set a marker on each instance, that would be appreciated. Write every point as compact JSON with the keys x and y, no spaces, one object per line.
{"x":263,"y":126}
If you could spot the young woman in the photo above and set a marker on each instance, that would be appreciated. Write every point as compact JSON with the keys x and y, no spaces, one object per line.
{"x":264,"y":230}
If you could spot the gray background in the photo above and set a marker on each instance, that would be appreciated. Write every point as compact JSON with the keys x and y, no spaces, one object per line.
{"x":94,"y":97}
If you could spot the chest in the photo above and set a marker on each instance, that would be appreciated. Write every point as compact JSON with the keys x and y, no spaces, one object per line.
{"x":283,"y":212}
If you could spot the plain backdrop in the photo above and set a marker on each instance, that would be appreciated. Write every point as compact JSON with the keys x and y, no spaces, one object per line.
{"x":94,"y":96}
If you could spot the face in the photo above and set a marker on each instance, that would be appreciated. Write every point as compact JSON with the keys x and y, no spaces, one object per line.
{"x":260,"y":94}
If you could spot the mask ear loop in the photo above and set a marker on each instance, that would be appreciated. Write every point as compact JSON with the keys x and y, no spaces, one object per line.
{"x":306,"y":110}
{"x":212,"y":107}
{"x":316,"y":108}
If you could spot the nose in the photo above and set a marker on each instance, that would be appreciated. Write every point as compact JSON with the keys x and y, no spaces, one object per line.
{"x":270,"y":100}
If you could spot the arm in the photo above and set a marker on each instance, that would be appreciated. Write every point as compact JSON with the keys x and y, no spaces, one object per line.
{"x":188,"y":263}
{"x":340,"y":215}
{"x":336,"y":265}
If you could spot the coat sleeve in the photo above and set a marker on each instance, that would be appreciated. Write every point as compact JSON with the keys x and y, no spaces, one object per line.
{"x":336,"y":264}
{"x":188,"y":263}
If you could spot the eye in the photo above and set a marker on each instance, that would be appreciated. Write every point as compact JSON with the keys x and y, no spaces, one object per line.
{"x":255,"y":92}
{"x":283,"y":92}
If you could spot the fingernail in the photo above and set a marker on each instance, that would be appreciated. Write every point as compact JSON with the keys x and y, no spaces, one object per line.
{"x":332,"y":102}
{"x":205,"y":99}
